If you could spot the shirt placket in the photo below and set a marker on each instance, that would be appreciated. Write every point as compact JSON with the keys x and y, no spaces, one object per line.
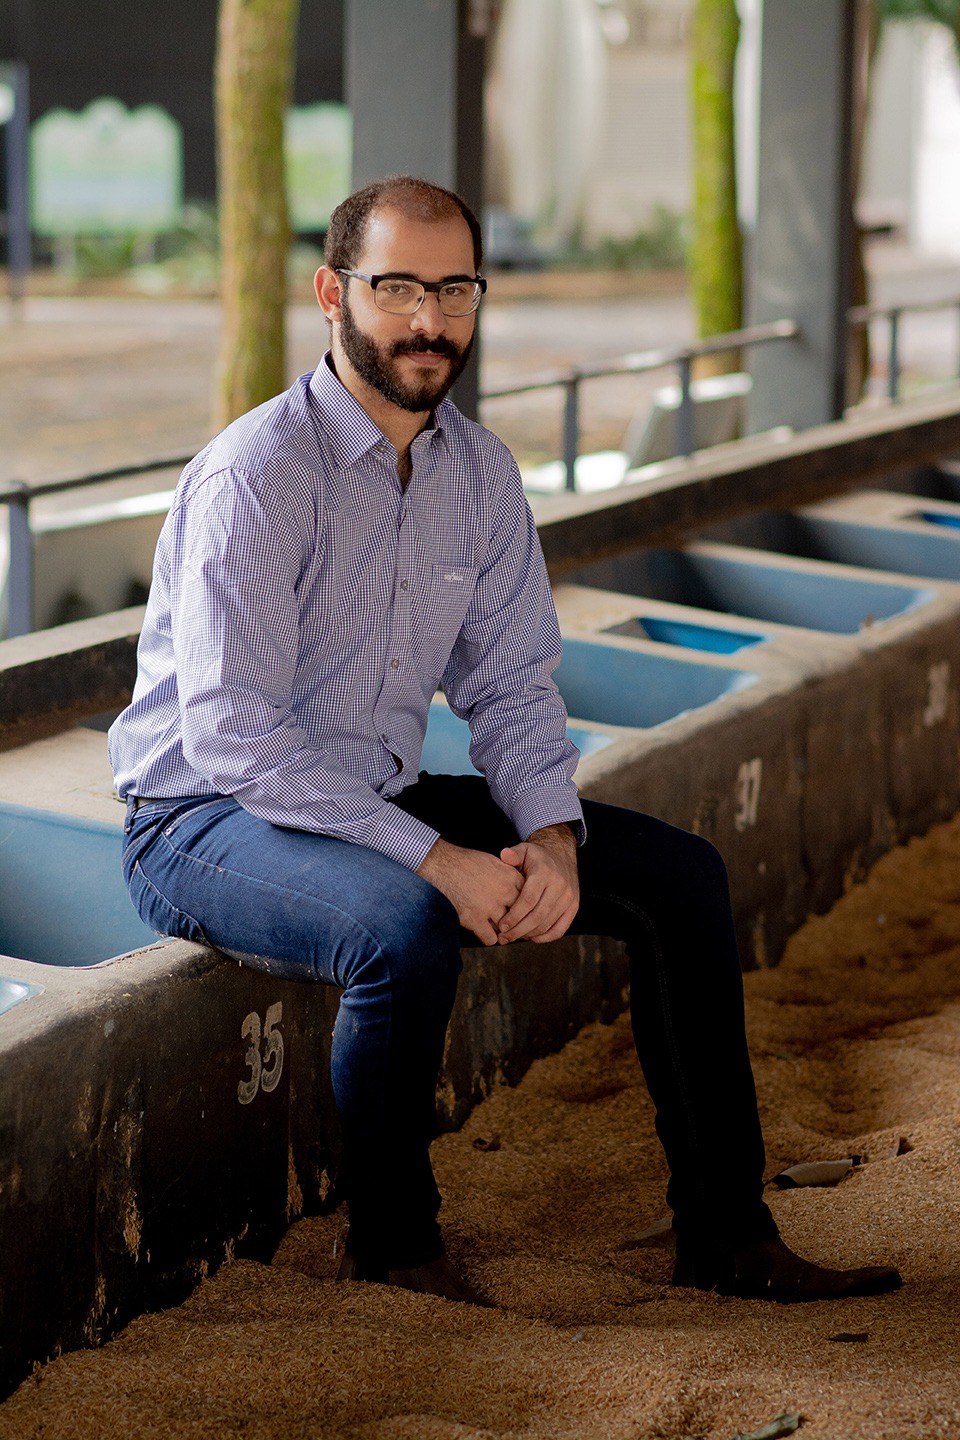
{"x":396,"y":681}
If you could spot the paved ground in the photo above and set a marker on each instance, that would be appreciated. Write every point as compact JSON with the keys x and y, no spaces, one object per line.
{"x":91,"y":382}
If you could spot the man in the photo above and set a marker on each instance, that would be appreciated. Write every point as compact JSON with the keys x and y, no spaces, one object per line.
{"x":328,"y":561}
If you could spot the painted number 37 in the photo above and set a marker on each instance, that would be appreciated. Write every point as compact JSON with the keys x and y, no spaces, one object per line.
{"x":264,"y":1053}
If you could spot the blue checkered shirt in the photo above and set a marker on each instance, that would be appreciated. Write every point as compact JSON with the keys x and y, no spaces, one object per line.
{"x":305,"y":608}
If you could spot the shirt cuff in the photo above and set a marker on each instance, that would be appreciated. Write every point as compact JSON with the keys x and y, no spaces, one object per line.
{"x":533,"y":809}
{"x":402,"y":837}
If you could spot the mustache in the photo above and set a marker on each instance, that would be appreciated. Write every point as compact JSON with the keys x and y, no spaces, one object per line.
{"x":420,"y":345}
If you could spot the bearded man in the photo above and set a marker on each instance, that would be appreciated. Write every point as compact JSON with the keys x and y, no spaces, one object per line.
{"x":329,"y":560}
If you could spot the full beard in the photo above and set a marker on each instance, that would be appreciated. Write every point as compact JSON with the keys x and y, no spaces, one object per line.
{"x":377,"y":364}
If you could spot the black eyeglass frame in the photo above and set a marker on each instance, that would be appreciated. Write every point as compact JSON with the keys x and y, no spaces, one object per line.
{"x":430,"y":287}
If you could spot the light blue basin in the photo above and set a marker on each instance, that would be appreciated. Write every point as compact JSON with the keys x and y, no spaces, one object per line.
{"x":687,"y":635}
{"x":877,"y":545}
{"x":13,"y":991}
{"x":632,"y":687}
{"x":950,"y":519}
{"x":757,"y":588}
{"x":62,"y":897}
{"x":446,"y":749}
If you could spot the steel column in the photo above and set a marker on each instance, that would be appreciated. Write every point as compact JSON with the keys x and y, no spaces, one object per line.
{"x":413,"y":79}
{"x":802,"y":251}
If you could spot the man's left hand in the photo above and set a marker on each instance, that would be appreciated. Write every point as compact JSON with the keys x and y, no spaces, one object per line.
{"x":550,"y":897}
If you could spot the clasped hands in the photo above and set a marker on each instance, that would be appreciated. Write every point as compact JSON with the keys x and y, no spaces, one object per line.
{"x":531,"y":892}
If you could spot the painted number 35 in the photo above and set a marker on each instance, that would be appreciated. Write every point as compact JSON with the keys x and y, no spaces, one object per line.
{"x":264,"y":1053}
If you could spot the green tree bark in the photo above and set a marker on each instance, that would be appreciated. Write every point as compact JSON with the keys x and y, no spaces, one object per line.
{"x":254,"y":78}
{"x":716,"y":252}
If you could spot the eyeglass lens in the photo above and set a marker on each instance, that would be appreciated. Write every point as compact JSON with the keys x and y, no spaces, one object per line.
{"x":403,"y":297}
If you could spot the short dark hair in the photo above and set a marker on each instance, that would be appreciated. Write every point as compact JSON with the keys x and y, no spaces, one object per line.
{"x":413,"y":197}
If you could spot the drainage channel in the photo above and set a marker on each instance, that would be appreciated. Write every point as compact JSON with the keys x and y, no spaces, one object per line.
{"x":784,"y":685}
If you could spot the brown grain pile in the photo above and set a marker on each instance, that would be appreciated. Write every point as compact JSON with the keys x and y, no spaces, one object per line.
{"x":856,"y":1039}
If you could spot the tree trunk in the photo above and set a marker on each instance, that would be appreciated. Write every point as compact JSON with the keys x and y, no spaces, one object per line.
{"x":254,"y":76}
{"x":716,"y":252}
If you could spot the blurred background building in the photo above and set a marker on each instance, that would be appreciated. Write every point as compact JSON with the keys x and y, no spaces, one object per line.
{"x":588,"y":127}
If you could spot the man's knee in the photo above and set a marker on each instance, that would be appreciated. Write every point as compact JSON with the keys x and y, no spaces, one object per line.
{"x":411,"y":949}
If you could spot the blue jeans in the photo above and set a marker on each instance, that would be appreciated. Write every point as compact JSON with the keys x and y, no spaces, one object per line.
{"x":310,"y":907}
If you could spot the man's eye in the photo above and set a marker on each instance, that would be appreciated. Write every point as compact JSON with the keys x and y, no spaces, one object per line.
{"x":456,"y":291}
{"x":396,"y":287}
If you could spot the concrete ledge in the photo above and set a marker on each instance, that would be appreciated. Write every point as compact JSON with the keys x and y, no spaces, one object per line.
{"x":145,"y":1134}
{"x":52,"y":678}
{"x":665,"y":501}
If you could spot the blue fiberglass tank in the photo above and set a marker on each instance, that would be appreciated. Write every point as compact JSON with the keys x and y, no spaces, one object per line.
{"x":62,"y":897}
{"x":756,"y":587}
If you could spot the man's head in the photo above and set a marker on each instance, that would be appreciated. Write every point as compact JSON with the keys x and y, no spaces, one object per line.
{"x":406,"y":194}
{"x":406,"y":228}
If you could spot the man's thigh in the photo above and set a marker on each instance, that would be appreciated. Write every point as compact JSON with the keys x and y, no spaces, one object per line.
{"x":633,"y":863}
{"x":314,"y":904}
{"x":461,"y":809}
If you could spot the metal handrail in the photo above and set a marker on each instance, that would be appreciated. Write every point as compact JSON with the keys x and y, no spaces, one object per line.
{"x":863,"y":314}
{"x":17,"y":495}
{"x":638,"y":362}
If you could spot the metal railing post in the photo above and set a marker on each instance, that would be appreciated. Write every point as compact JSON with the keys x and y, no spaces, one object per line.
{"x":685,"y":439}
{"x":20,"y":570}
{"x":571,"y":429}
{"x":893,"y":363}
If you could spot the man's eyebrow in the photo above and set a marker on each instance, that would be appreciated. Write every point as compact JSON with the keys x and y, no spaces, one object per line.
{"x":409,"y":275}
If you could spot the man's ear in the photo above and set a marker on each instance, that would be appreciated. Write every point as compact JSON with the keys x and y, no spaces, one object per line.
{"x":328,"y":287}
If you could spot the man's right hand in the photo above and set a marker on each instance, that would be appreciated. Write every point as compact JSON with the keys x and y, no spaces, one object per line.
{"x":480,"y":887}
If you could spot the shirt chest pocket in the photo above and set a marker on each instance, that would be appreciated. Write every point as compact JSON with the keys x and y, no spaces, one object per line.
{"x":445,"y":600}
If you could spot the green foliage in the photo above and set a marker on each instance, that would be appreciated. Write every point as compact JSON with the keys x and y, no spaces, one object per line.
{"x":942,"y":12}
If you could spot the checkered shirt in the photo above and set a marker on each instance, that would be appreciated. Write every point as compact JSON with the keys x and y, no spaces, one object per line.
{"x":305,"y":608}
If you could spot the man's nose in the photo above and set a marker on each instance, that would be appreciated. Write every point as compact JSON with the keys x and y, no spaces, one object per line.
{"x":429,"y":319}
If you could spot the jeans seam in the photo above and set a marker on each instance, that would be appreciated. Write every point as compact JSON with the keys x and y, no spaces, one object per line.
{"x":194,"y":810}
{"x":175,"y":908}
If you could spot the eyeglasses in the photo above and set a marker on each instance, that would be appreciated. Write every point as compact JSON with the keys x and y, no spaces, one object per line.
{"x":458,"y":295}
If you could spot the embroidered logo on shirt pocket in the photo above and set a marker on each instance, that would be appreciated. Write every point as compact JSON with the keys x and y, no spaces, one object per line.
{"x":448,"y":599}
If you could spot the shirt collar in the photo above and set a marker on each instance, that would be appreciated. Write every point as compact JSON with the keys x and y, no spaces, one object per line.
{"x":346,"y":426}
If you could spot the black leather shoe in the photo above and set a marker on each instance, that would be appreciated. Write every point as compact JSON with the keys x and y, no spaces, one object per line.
{"x":769,"y":1270}
{"x":438,"y":1277}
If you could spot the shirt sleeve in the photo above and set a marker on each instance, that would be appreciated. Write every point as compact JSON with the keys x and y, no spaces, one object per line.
{"x":235,"y":633}
{"x":499,"y":676}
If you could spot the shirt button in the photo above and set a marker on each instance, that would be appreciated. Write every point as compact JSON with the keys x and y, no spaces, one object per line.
{"x":404,"y":584}
{"x":394,"y":664}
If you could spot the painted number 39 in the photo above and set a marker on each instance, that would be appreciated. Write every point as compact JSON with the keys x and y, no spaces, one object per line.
{"x":264,"y":1053}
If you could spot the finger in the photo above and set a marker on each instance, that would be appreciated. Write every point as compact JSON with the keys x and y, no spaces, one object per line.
{"x":522,"y":908}
{"x":484,"y":931}
{"x":557,"y":930}
{"x":541,"y":918}
{"x":513,"y":856}
{"x":554,"y":903}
